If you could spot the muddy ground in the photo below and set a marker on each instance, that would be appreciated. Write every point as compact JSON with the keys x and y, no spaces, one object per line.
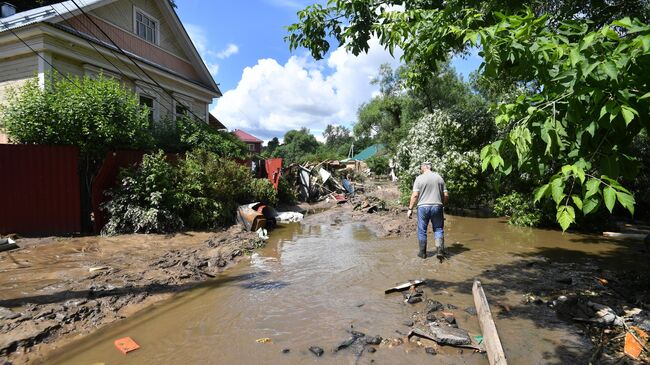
{"x":54,"y":290}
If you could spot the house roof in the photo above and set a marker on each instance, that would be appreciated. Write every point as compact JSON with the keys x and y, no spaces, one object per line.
{"x":246,"y":137}
{"x":50,"y":14}
{"x":214,"y":122}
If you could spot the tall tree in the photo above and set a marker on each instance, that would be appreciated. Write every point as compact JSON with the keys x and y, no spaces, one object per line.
{"x":581,"y":64}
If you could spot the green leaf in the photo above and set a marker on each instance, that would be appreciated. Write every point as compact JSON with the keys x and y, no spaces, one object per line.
{"x":541,"y":192}
{"x":626,"y":200}
{"x":593,"y":186}
{"x":645,"y":96}
{"x":566,"y":216}
{"x":557,"y":190}
{"x":591,"y":128}
{"x":609,"y":68}
{"x":610,"y":198}
{"x":590,"y":205}
{"x":577,"y":201}
{"x":628,"y":114}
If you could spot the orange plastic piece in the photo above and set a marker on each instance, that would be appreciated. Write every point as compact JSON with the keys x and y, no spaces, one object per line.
{"x":126,"y":345}
{"x":632,"y":347}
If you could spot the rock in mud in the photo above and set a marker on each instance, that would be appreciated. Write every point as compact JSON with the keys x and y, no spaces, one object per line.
{"x":408,"y":323}
{"x":450,"y":336}
{"x":316,"y":351}
{"x":414,"y":299}
{"x":286,"y":351}
{"x":6,"y":313}
{"x":432,"y":317}
{"x":376,"y":340}
{"x":433,"y":306}
{"x":371,"y":350}
{"x":451,"y":306}
{"x":471,"y":310}
{"x":450,"y":319}
{"x":430,"y":351}
{"x":26,"y":334}
{"x":345,"y":344}
{"x":357,"y":334}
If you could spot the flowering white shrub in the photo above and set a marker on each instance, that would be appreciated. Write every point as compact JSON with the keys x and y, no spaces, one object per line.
{"x":452,"y":149}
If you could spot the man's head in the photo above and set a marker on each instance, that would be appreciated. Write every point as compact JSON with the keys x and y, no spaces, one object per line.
{"x":426,"y":166}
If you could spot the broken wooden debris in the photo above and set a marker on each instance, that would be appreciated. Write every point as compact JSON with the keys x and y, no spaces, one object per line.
{"x":495,"y":353}
{"x":444,"y":340}
{"x":635,"y":340}
{"x":404,"y":286}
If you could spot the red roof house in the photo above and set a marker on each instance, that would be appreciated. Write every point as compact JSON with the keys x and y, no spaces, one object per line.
{"x":254,"y":143}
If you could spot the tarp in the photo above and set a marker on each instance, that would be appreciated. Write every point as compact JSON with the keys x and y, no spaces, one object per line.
{"x":369,"y":152}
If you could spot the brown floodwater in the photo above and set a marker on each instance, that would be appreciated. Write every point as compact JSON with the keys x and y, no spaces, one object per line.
{"x":316,"y":280}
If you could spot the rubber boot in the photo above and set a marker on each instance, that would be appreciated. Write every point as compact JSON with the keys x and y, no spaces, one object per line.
{"x":423,"y":249}
{"x":440,"y":247}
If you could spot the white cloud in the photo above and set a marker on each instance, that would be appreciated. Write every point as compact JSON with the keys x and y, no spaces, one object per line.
{"x":200,"y":40}
{"x":230,"y":50}
{"x":271,"y":98}
{"x":292,"y":4}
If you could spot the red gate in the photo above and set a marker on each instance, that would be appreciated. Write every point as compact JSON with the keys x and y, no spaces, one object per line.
{"x":39,"y":189}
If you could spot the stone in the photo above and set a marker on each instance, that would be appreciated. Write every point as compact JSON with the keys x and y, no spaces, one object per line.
{"x":433,"y":306}
{"x":345,"y":344}
{"x":450,"y":319}
{"x":376,"y":340}
{"x":450,"y":336}
{"x":357,"y":334}
{"x":408,"y":323}
{"x":430,"y":351}
{"x":286,"y":351}
{"x":372,"y":350}
{"x":471,"y":310}
{"x":414,"y":299}
{"x":432,"y":317}
{"x":316,"y":351}
{"x":26,"y":333}
{"x":451,"y":306}
{"x":6,"y":313}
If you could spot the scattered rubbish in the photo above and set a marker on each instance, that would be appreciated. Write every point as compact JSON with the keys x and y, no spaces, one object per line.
{"x":448,"y":336}
{"x":7,"y":244}
{"x":98,"y":268}
{"x":433,"y":306}
{"x":324,"y":175}
{"x":430,"y":351}
{"x":316,"y":351}
{"x":601,"y":280}
{"x":602,"y":315}
{"x":635,"y":341}
{"x":376,"y":340}
{"x":404,"y":286}
{"x":255,"y":216}
{"x":286,"y":351}
{"x":496,"y":356}
{"x":631,"y":236}
{"x":478,"y":339}
{"x":289,"y":217}
{"x":264,"y":340}
{"x":262,"y":233}
{"x":126,"y":345}
{"x":345,"y":344}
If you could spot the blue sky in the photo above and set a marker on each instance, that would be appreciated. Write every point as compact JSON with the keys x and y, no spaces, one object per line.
{"x":269,"y":90}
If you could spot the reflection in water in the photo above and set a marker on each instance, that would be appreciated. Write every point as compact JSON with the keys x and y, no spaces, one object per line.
{"x":314,"y":282}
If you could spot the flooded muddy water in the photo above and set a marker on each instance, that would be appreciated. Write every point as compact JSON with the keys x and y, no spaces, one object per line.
{"x":315,"y":281}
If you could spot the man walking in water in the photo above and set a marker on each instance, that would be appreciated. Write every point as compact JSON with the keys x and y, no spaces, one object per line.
{"x":430,"y":195}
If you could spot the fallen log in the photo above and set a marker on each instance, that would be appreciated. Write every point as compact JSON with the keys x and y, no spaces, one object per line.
{"x":495,"y":353}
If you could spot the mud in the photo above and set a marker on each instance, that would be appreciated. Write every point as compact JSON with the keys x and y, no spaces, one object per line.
{"x":54,"y":290}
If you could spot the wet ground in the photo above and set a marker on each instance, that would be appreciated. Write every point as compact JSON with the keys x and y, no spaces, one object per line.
{"x":314,"y":282}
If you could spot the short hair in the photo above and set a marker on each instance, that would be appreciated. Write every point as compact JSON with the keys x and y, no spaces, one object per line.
{"x":427,"y":164}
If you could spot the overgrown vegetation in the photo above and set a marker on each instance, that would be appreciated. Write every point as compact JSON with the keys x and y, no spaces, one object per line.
{"x":567,"y":79}
{"x":201,"y":191}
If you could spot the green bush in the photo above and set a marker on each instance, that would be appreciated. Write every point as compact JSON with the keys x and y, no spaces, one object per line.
{"x":519,"y":209}
{"x":210,"y":189}
{"x":144,"y":200}
{"x":287,"y":194}
{"x":262,"y":190}
{"x":379,"y":165}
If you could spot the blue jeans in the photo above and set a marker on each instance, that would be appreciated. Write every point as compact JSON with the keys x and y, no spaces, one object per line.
{"x":433,"y":213}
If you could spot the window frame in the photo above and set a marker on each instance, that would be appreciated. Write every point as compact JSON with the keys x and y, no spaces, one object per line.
{"x":137,"y":10}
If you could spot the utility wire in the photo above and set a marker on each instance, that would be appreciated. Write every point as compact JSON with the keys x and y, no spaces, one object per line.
{"x":43,"y":58}
{"x":133,"y":61}
{"x":103,"y":56}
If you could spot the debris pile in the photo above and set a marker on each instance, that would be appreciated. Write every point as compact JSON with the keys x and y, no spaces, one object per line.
{"x":327,"y":180}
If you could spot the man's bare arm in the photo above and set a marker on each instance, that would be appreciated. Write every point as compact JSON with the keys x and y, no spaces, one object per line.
{"x":445,"y":198}
{"x":414,"y":199}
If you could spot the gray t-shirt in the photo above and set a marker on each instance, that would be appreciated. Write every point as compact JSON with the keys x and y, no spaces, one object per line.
{"x":431,"y":187}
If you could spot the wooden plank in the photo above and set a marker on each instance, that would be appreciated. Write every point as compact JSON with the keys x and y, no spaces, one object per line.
{"x":495,"y":353}
{"x":631,"y":236}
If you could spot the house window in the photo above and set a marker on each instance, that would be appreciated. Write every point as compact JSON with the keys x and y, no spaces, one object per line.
{"x":251,"y":147}
{"x":181,"y":110}
{"x":149,"y":102}
{"x":146,"y":27}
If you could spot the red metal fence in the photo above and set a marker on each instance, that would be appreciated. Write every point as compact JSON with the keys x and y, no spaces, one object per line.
{"x":39,"y":189}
